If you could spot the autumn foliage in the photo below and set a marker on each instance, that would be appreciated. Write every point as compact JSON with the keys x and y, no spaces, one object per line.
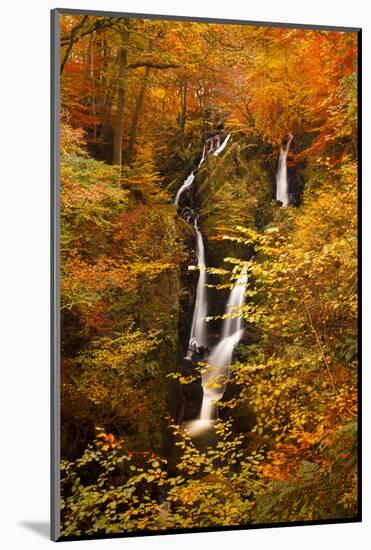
{"x":139,"y":98}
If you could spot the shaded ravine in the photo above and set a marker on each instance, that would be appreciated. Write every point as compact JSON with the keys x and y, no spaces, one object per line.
{"x":215,"y":374}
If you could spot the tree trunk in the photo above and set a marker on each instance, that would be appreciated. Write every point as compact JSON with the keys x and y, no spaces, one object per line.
{"x":118,"y":127}
{"x":137,"y":109}
{"x":102,"y":75}
{"x":92,"y":79}
{"x":106,"y":115}
{"x":202,"y":110}
{"x":183,"y":102}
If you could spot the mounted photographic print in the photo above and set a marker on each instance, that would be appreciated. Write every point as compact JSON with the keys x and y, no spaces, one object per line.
{"x":205,"y":274}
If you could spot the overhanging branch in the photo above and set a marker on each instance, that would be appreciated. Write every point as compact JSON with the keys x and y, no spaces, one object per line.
{"x":152,"y":65}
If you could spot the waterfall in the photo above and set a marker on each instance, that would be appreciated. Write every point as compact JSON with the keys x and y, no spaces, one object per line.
{"x":205,"y":152}
{"x":221,"y":147}
{"x":221,"y":357}
{"x":186,"y":184}
{"x":281,"y":176}
{"x":203,"y":156}
{"x":232,"y":331}
{"x":198,"y":328}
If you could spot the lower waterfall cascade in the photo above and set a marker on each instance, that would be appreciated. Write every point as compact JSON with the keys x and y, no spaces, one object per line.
{"x":215,"y":376}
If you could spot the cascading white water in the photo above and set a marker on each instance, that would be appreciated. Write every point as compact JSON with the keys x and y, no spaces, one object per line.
{"x":215,"y":377}
{"x":203,"y":156}
{"x":281,"y":176}
{"x":198,"y":335}
{"x":222,"y":146}
{"x":205,"y":152}
{"x":232,"y":328}
{"x":187,"y":183}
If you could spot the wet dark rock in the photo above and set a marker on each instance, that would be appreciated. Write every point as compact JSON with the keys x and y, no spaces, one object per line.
{"x":192,"y":393}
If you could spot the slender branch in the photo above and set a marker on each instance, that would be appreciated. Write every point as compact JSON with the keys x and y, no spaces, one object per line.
{"x":97,"y":25}
{"x":152,"y":65}
{"x":71,"y":40}
{"x":319,"y":344}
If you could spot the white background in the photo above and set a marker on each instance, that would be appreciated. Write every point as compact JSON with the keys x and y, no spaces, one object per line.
{"x":24,"y":273}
